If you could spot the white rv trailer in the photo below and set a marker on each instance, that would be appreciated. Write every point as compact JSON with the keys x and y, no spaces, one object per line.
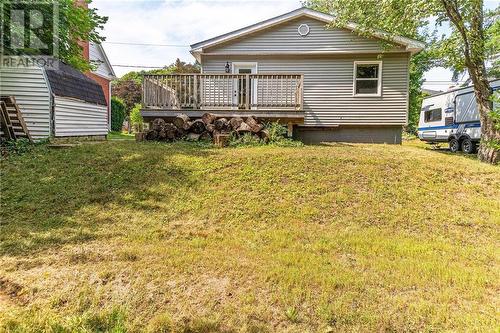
{"x":452,"y":117}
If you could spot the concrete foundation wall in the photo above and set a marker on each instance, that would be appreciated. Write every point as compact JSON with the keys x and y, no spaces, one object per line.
{"x":355,"y":134}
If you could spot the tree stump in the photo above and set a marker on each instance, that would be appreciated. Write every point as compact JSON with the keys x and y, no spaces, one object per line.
{"x":170,"y":131}
{"x":208,"y":118}
{"x":182,"y":121}
{"x":210,"y":128}
{"x":221,"y":124}
{"x":151,"y":135}
{"x":205,"y":136}
{"x":140,"y":136}
{"x":264,"y":135}
{"x":235,"y":122}
{"x":255,"y":127}
{"x":158,"y":124}
{"x":221,"y":140}
{"x":244,"y":128}
{"x":198,"y":126}
{"x":162,"y":134}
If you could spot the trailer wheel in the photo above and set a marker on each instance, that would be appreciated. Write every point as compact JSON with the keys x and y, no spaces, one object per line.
{"x":468,"y":146}
{"x":454,"y":145}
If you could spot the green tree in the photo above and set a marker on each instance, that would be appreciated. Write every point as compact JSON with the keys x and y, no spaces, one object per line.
{"x":129,"y":86}
{"x":129,"y":91}
{"x":466,"y":48}
{"x":117,"y":113}
{"x":74,"y":24}
{"x":136,"y":118}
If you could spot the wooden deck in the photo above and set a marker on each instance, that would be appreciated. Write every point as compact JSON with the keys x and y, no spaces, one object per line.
{"x":263,"y":95}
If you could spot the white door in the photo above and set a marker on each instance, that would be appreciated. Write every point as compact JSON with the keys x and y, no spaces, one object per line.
{"x":240,"y":85}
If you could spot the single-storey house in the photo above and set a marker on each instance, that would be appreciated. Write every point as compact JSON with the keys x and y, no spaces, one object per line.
{"x":326,"y":84}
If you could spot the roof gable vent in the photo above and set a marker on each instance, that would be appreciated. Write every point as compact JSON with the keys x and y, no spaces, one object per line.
{"x":303,"y":30}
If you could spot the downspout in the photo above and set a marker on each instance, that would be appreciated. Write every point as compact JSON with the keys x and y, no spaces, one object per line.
{"x":109,"y":106}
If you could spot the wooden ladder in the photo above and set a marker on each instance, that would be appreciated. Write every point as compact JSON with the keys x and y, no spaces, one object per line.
{"x":12,"y":122}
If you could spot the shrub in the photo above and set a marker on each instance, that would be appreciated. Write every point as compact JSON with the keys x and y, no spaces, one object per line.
{"x":246,"y":139}
{"x":19,"y":146}
{"x":277,"y":137}
{"x":117,"y":113}
{"x":136,"y":118}
{"x":277,"y":132}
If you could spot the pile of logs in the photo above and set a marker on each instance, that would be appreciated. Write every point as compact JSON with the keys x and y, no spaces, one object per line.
{"x":208,"y":128}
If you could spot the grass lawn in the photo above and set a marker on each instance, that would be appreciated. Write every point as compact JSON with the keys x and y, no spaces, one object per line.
{"x":120,"y":136}
{"x":124,"y":236}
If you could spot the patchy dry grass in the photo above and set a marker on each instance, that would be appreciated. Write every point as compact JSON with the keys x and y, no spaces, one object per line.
{"x":121,"y":236}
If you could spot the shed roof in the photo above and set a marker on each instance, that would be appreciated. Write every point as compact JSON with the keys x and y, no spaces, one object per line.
{"x":65,"y":81}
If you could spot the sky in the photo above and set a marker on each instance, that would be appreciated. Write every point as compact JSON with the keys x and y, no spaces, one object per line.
{"x":177,"y":24}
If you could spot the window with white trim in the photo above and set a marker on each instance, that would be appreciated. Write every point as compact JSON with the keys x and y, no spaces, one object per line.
{"x":367,"y":78}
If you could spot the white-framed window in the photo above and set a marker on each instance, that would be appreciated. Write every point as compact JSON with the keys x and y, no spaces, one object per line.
{"x":433,"y":115}
{"x":367,"y":78}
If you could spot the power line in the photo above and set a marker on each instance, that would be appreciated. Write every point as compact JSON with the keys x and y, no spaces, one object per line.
{"x":138,"y":66}
{"x":147,"y":44}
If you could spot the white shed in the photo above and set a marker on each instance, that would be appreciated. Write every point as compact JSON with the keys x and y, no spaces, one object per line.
{"x":56,"y":102}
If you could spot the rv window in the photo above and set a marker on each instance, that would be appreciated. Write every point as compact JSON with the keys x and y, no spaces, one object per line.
{"x":432,"y":115}
{"x":367,"y":78}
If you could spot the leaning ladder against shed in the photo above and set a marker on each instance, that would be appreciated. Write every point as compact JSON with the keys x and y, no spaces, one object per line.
{"x":13,"y":126}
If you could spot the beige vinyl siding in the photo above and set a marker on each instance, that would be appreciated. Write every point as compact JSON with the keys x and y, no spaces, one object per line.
{"x":328,"y":87}
{"x":76,"y":118}
{"x":285,"y":38}
{"x":30,"y":88}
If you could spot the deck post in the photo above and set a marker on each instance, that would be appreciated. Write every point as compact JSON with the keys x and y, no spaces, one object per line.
{"x":247,"y":93}
{"x":195,"y":91}
{"x":289,"y":129}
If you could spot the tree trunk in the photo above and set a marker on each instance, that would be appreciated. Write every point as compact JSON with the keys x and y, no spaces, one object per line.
{"x":489,"y":134}
{"x":474,"y":54}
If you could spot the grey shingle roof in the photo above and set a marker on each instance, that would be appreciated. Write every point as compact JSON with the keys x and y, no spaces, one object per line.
{"x":65,"y":81}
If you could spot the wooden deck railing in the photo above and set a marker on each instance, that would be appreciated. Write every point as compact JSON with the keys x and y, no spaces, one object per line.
{"x":279,"y":91}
